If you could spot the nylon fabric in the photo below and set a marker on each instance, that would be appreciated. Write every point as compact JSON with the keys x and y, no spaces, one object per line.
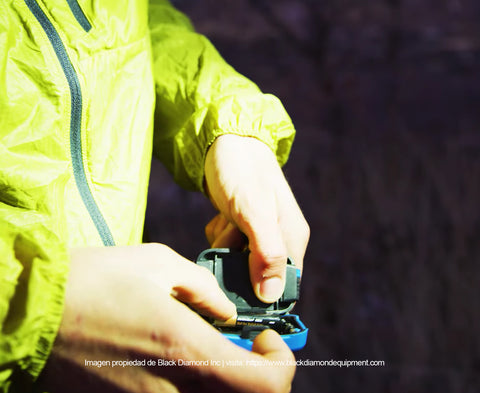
{"x":148,"y":83}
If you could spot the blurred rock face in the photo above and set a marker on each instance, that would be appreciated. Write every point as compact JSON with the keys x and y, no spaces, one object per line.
{"x":386,"y":167}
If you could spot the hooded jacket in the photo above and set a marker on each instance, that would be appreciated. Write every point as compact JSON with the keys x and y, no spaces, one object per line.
{"x":88,"y":89}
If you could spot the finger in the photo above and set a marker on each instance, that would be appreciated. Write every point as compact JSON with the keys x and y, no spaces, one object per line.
{"x":196,"y":286}
{"x":271,"y":344}
{"x":268,"y":256}
{"x":230,"y":237}
{"x":220,"y":225}
{"x":271,"y":369}
{"x":200,"y":290}
{"x":273,"y":349}
{"x":295,"y":229}
{"x":210,"y":228}
{"x":296,"y":238}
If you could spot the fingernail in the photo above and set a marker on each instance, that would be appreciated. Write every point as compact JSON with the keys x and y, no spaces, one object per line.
{"x":271,"y":288}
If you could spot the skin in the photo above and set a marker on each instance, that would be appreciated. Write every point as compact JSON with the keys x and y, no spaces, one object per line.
{"x":246,"y":184}
{"x":136,"y":302}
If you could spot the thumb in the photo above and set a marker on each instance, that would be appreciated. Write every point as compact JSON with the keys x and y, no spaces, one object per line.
{"x":274,"y":350}
{"x":270,"y":344}
{"x":268,"y":253}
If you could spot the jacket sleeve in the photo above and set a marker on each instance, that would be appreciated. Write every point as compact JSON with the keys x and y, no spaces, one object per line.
{"x":200,"y":97}
{"x":33,"y":271}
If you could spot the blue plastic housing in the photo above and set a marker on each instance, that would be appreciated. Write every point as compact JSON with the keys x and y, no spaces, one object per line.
{"x":295,"y":341}
{"x":230,"y":268}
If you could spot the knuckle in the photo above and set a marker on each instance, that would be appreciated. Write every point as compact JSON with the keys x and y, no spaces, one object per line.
{"x":272,"y":262}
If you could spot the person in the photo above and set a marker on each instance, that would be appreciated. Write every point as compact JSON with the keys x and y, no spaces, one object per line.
{"x":88,"y":90}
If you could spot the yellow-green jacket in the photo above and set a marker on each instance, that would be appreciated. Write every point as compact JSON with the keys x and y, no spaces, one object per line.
{"x":87,"y":89}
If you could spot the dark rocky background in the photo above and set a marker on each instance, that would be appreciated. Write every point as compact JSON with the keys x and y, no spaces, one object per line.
{"x":385,"y":96}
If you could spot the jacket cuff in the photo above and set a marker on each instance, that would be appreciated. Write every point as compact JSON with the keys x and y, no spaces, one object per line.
{"x":259,"y":116}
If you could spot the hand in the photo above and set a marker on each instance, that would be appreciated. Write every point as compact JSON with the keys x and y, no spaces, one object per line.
{"x":247,"y":186}
{"x":122,"y":303}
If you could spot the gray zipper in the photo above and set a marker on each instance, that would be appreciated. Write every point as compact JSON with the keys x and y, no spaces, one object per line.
{"x":75,"y":120}
{"x":79,"y":15}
